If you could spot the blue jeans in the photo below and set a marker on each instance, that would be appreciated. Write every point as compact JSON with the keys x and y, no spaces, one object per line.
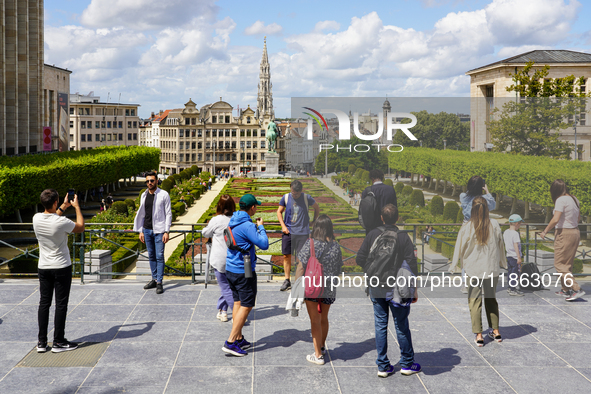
{"x":226,"y":299}
{"x":512,"y":268}
{"x":400,"y":315}
{"x":155,"y":253}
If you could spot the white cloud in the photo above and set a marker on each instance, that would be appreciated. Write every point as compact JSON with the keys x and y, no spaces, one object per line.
{"x":326,"y":25}
{"x":259,"y":29}
{"x":147,"y":14}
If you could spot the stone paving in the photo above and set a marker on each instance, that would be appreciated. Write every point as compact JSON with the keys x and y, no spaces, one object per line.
{"x":171,"y":343}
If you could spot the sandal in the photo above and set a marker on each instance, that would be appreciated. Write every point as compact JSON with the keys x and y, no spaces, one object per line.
{"x":497,"y":338}
{"x":478,"y":342}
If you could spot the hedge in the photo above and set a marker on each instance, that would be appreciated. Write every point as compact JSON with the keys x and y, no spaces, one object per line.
{"x":460,"y":216}
{"x":450,"y":211}
{"x":22,"y":179}
{"x":417,"y":198}
{"x":436,"y":206}
{"x":407,"y":190}
{"x":179,"y":207}
{"x":526,"y":178}
{"x":398,"y":188}
{"x":120,"y":207}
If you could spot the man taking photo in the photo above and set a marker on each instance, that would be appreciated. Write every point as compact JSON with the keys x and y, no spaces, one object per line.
{"x":55,"y":266}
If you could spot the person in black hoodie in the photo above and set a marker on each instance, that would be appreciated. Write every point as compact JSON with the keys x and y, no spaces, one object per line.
{"x":385,"y":194}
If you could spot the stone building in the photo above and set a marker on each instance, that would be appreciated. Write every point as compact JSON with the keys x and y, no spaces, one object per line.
{"x":212,"y":137}
{"x":21,"y":76}
{"x":56,"y":98}
{"x":488,"y":90}
{"x":94,"y":123}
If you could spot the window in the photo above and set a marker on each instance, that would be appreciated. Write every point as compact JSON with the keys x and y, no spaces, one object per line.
{"x":181,"y":133}
{"x":220,"y":144}
{"x":181,"y":145}
{"x":207,"y":156}
{"x":233,"y":144}
{"x":199,"y":156}
{"x":227,"y":119}
{"x":234,"y":156}
{"x":248,"y":144}
{"x":227,"y":132}
{"x":227,"y":156}
{"x":103,"y":124}
{"x":97,"y":137}
{"x":262,"y":156}
{"x":129,"y":136}
{"x":89,"y":137}
{"x":181,"y":157}
{"x":227,"y":145}
{"x":262,"y":143}
{"x":248,"y":156}
{"x":80,"y":111}
{"x":241,"y":144}
{"x":71,"y":124}
{"x":242,"y":156}
{"x":120,"y":124}
{"x":193,"y":133}
{"x":83,"y":125}
{"x":262,"y":133}
{"x":193,"y":145}
{"x":199,"y":133}
{"x":254,"y":156}
{"x":583,"y":119}
{"x":134,"y":125}
{"x":214,"y":119}
{"x":108,"y":124}
{"x":221,"y":157}
{"x":214,"y":132}
{"x":89,"y":124}
{"x":83,"y":137}
{"x":254,"y":144}
{"x":199,"y":145}
{"x":248,"y":119}
{"x":86,"y":111}
{"x":108,"y":137}
{"x":233,"y":132}
{"x":127,"y":112}
{"x":579,"y":152}
{"x":120,"y":136}
{"x":241,"y":132}
{"x":133,"y":112}
{"x":71,"y":110}
{"x":193,"y":121}
{"x":97,"y":124}
{"x":207,"y":133}
{"x":248,"y":133}
{"x":254,"y":133}
{"x":193,"y":157}
{"x":129,"y":124}
{"x":207,"y":145}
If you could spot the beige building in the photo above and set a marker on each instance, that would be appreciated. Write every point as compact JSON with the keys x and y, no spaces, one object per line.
{"x":488,"y":91}
{"x":94,"y":123}
{"x":56,"y":99}
{"x":212,"y":137}
{"x":21,"y":77}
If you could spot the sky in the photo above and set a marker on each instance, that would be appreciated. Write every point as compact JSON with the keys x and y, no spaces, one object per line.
{"x":161,"y":53}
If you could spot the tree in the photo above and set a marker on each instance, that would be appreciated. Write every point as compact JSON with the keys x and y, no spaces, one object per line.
{"x":432,"y":129}
{"x":341,"y":160}
{"x":532,"y":124}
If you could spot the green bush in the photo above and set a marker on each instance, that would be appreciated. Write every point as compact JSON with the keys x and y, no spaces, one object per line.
{"x":205,"y":175}
{"x":450,"y":211}
{"x":130,"y":203}
{"x":352,"y":169}
{"x":448,"y":250}
{"x":398,"y":188}
{"x":22,"y":179}
{"x":186,"y":174}
{"x":460,"y":216}
{"x":119,"y":207}
{"x":407,"y":190}
{"x":141,"y":192}
{"x":389,"y":182}
{"x":417,"y":198}
{"x":436,"y":206}
{"x":167,"y":185}
{"x":195,"y":170}
{"x":435,"y":245}
{"x":179,"y":207}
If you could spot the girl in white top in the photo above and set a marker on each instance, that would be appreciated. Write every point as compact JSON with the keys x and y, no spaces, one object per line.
{"x":566,"y":237}
{"x":217,"y":258}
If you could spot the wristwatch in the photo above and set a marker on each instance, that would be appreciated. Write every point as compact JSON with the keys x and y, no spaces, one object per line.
{"x":60,"y":208}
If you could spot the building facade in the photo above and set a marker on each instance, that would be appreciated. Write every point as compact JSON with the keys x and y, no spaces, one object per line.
{"x":94,"y":123}
{"x":55,"y":110}
{"x":21,"y":77}
{"x":488,"y":91}
{"x":211,"y":137}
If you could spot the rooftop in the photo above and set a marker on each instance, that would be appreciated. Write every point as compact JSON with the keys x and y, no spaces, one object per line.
{"x":542,"y":57}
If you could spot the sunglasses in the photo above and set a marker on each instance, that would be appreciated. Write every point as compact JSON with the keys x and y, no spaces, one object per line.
{"x":150,"y":180}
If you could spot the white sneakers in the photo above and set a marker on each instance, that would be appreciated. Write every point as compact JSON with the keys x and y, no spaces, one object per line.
{"x":222,"y":315}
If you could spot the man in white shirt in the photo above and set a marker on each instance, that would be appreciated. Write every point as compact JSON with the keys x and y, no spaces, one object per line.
{"x":55,"y":272}
{"x":153,"y":220}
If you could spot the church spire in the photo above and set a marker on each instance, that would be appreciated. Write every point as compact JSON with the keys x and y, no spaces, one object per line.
{"x":265,"y":87}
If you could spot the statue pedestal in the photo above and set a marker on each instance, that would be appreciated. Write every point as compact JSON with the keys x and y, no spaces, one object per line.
{"x":271,"y":166}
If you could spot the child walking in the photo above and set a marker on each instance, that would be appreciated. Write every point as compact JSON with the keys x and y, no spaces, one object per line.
{"x":513,"y":248}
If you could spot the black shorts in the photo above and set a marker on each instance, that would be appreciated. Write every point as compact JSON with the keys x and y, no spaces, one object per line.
{"x":291,"y":243}
{"x":243,"y":289}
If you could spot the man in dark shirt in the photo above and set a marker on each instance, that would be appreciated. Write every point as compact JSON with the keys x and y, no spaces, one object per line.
{"x":385,"y":194}
{"x":381,"y":307}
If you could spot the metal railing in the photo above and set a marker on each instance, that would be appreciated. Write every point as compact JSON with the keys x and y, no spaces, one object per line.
{"x":193,"y":238}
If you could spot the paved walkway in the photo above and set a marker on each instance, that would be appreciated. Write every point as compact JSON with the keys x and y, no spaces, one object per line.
{"x":172,"y":344}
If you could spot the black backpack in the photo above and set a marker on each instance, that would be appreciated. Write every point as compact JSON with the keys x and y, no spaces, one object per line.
{"x":369,"y":212}
{"x":383,"y":257}
{"x":532,"y":273}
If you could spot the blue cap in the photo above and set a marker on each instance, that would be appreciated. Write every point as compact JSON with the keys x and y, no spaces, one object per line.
{"x":515,"y":218}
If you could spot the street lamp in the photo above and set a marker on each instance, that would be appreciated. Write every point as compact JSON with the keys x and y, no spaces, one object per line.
{"x":421,"y":143}
{"x":444,"y":144}
{"x":214,"y":157}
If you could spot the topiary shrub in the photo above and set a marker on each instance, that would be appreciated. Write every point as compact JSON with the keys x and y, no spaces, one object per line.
{"x":186,"y":174}
{"x":142,"y":192}
{"x":130,"y":203}
{"x":389,"y":182}
{"x":119,"y":207}
{"x":407,"y":190}
{"x":450,"y":211}
{"x":352,"y":169}
{"x":205,"y":175}
{"x":417,"y":198}
{"x":460,"y":216}
{"x":167,"y":185}
{"x":436,"y":206}
{"x":195,"y":170}
{"x":179,"y":207}
{"x":398,"y":188}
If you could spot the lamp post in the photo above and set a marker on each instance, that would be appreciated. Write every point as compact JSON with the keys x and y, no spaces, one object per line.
{"x":576,"y":147}
{"x":214,"y":157}
{"x":444,"y":144}
{"x":421,"y":143}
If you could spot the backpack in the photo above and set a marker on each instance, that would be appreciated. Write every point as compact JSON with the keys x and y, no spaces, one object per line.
{"x":369,"y":212}
{"x":532,"y":273}
{"x":231,"y":242}
{"x":383,"y":257}
{"x":314,"y":274}
{"x":404,"y":290}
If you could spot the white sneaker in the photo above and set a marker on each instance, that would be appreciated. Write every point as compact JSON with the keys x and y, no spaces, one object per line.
{"x":219,"y":315}
{"x":315,"y":360}
{"x":224,"y":316}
